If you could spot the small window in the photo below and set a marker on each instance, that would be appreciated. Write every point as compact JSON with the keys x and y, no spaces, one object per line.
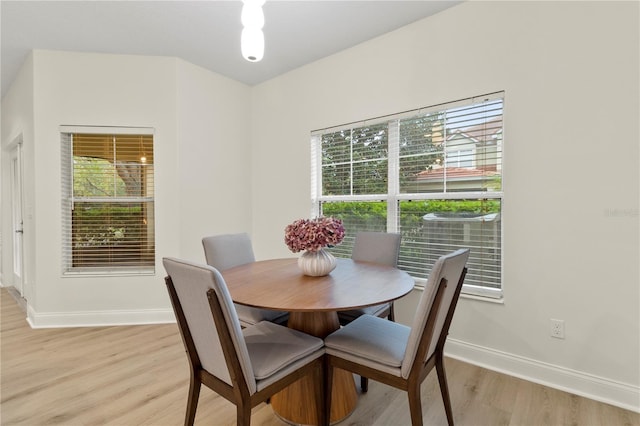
{"x":459,"y":158}
{"x":108,"y":203}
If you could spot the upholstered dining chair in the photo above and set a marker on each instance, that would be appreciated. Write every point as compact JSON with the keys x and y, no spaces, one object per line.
{"x":375,"y":247}
{"x":229,"y":250}
{"x":245,"y":366}
{"x":398,"y":355}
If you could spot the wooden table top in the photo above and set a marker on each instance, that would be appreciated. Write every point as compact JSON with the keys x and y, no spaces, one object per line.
{"x":280,"y":285}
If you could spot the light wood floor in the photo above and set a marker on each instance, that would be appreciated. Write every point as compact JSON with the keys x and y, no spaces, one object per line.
{"x":137,"y":375}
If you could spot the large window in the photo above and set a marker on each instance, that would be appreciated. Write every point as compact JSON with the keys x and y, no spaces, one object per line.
{"x":107,"y":201}
{"x":434,"y":175}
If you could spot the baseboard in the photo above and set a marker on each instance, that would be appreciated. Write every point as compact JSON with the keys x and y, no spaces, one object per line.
{"x":22,"y":303}
{"x":593,"y":387}
{"x":99,"y":318}
{"x":579,"y":383}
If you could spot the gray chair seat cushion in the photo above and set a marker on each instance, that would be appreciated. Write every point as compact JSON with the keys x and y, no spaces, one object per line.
{"x":352,"y":314}
{"x":250,"y":316}
{"x":372,"y":338}
{"x":272,"y":347}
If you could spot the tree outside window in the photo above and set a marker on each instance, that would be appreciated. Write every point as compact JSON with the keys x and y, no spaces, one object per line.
{"x":433,"y":175}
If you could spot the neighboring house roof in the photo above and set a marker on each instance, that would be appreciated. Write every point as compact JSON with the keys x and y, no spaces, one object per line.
{"x":438,"y":173}
{"x":482,"y":133}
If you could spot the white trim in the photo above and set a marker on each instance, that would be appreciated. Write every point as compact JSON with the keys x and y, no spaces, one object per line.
{"x":496,"y":297}
{"x":110,"y":130}
{"x":469,"y":291}
{"x":412,"y":113}
{"x":99,"y":318}
{"x":416,"y":196}
{"x":576,"y":382}
{"x":316,"y":175}
{"x":480,"y":195}
{"x":393,"y":176}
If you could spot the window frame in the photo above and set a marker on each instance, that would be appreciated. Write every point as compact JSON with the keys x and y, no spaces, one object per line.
{"x":394,"y":194}
{"x":69,"y":199}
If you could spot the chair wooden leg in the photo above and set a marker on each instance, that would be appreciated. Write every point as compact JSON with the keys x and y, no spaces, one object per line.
{"x":364,"y":384}
{"x":192,"y":401}
{"x":392,"y":314}
{"x":243,"y":413}
{"x":415,"y":406}
{"x":444,"y":388}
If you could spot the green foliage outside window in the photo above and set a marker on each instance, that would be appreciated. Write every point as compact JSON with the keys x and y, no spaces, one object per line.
{"x":108,"y":203}
{"x":357,"y":216}
{"x":455,"y":204}
{"x":372,"y":216}
{"x":355,"y":161}
{"x":96,"y":177}
{"x":371,"y":213}
{"x":116,"y":228}
{"x":105,"y":224}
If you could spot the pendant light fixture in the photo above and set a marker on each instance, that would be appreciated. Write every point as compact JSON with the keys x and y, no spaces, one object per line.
{"x":252,"y":39}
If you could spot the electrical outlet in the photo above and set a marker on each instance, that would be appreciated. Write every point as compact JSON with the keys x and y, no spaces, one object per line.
{"x":557,"y":328}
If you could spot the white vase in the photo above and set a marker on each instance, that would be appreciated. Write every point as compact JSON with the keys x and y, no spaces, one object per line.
{"x":317,"y":263}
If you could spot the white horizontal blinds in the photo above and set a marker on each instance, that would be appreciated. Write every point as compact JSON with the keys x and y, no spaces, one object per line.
{"x":67,"y":199}
{"x":421,"y":150}
{"x":356,"y":216}
{"x":433,"y":174}
{"x":355,"y":161}
{"x":112,"y":213}
{"x":355,"y":165}
{"x":336,"y":163}
{"x":473,"y":147}
{"x":452,"y":150}
{"x":432,"y":228}
{"x":455,"y":152}
{"x":369,"y":147}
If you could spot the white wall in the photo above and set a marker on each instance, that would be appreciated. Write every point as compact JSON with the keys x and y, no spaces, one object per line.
{"x":570,"y":74}
{"x":198,"y":118}
{"x":17,"y":124}
{"x":571,"y":220}
{"x":214,"y":187}
{"x":104,"y":90}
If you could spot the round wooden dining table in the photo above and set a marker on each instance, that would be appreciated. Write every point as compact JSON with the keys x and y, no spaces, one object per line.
{"x":313,"y":303}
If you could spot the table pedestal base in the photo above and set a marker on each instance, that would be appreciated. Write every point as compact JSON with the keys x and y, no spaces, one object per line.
{"x":296,"y":403}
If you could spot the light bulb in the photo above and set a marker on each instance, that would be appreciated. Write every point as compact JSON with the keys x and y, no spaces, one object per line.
{"x":252,"y":44}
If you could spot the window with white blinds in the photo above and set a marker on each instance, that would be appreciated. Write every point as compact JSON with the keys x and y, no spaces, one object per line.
{"x":107,"y":201}
{"x":434,"y":175}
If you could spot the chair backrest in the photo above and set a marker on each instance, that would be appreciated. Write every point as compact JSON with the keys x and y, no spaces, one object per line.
{"x":191,"y":282}
{"x":451,"y":268}
{"x":228,"y":250}
{"x":377,"y":247}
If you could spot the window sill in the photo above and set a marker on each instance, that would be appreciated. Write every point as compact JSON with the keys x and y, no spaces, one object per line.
{"x":109,"y":273}
{"x":498,"y":301}
{"x":489,"y":295}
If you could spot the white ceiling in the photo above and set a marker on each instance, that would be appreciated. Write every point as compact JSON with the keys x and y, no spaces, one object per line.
{"x":205,"y":33}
